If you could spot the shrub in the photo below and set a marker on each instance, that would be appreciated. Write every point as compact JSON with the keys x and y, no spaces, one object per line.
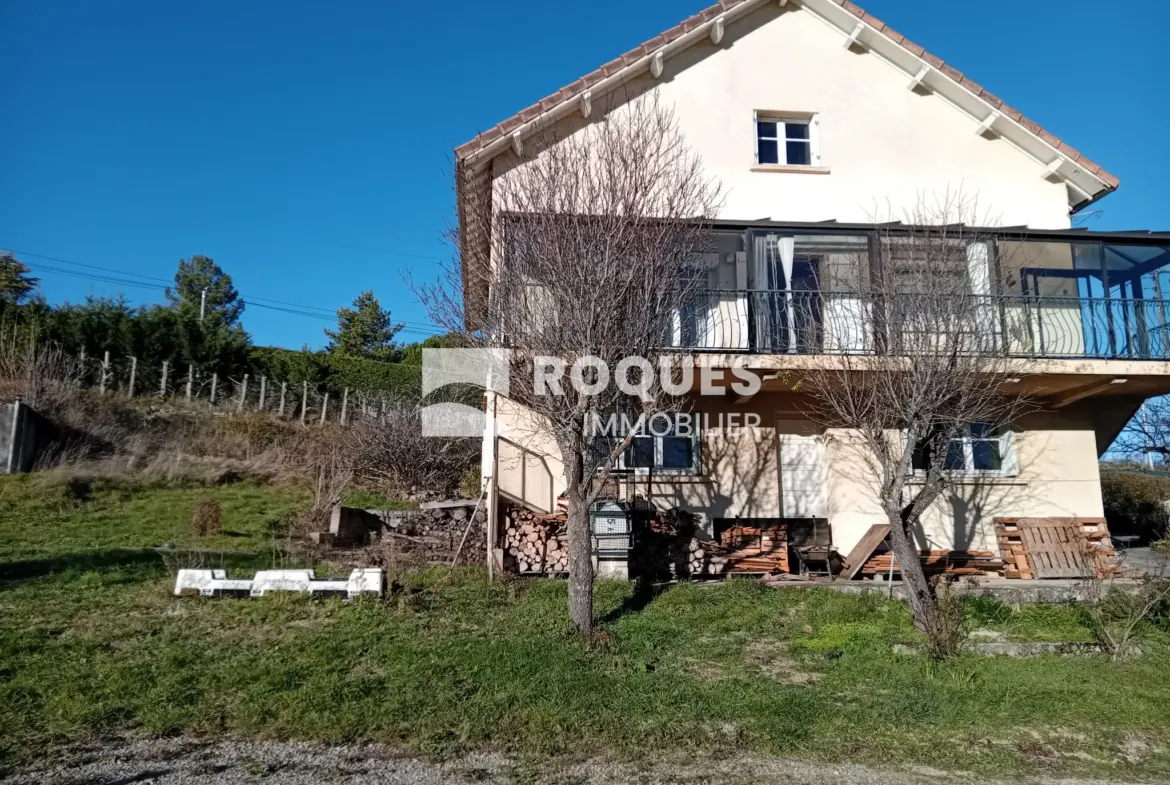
{"x":472,"y":485}
{"x":205,"y":517}
{"x":1135,"y":503}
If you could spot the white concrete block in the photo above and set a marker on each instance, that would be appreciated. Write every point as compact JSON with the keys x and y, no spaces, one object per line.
{"x":210,"y":583}
{"x":368,"y":581}
{"x":215,"y":583}
{"x":281,"y":580}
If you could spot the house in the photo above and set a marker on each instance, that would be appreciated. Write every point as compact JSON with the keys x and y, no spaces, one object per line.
{"x":809,"y":112}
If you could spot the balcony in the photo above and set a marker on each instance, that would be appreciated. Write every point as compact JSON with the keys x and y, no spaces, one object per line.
{"x":819,"y":322}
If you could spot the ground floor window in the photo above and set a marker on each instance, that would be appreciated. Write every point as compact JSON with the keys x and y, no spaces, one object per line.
{"x":665,"y":447}
{"x":980,"y":449}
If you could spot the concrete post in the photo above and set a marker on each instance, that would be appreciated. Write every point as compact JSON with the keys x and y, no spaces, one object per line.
{"x":162,"y":388}
{"x":344,"y":404}
{"x":133,"y":374}
{"x":263,"y":384}
{"x":324,"y":406}
{"x":105,"y":371}
{"x":214,"y":382}
{"x":190,"y":381}
{"x":304,"y":401}
{"x":243,"y":394}
{"x":283,"y":387}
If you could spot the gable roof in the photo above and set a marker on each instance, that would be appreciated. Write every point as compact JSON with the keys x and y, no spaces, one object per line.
{"x":1087,"y":180}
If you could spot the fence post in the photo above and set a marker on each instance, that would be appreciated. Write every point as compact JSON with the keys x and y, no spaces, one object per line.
{"x":324,"y":406}
{"x":105,"y":370}
{"x":214,"y":381}
{"x":304,"y":401}
{"x":263,"y":383}
{"x":190,"y":381}
{"x":344,"y":404}
{"x":133,"y":374}
{"x":243,"y":394}
{"x":283,"y":387}
{"x":162,"y":388}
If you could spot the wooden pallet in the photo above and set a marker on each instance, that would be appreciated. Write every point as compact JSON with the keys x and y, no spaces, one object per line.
{"x":938,"y":562}
{"x":1054,"y":547}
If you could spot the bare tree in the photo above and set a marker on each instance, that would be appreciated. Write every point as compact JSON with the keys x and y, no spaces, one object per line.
{"x":1146,"y":437}
{"x":595,"y":231}
{"x":926,"y":391}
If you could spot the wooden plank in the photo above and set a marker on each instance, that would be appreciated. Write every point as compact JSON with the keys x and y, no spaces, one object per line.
{"x":864,"y":549}
{"x":1054,"y":548}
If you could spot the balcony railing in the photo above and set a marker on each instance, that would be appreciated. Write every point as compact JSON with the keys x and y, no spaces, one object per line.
{"x":781,"y":322}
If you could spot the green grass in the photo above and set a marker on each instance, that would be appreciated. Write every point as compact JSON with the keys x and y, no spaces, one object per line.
{"x":91,"y":642}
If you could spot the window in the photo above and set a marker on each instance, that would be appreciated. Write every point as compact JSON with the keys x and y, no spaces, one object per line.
{"x":981,"y":449}
{"x":787,"y":142}
{"x":661,"y":452}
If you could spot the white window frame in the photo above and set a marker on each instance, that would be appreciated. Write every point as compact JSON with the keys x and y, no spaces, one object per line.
{"x":1008,"y":465}
{"x":658,"y":470}
{"x":782,"y":121}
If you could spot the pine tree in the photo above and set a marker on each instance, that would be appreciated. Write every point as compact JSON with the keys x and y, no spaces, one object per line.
{"x":365,"y":330}
{"x":16,"y":285}
{"x":200,"y":274}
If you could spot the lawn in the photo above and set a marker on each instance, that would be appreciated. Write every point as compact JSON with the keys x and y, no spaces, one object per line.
{"x":91,"y":643}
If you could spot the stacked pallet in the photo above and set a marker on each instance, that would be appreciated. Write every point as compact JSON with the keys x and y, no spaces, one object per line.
{"x":753,"y":549}
{"x":1082,"y":547}
{"x":938,"y":563}
{"x":535,"y":543}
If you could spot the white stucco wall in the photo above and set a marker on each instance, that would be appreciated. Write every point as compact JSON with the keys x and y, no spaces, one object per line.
{"x":885,"y":146}
{"x":1056,"y":453}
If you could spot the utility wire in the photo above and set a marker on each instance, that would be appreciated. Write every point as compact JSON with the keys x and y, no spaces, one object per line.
{"x":327,"y":314}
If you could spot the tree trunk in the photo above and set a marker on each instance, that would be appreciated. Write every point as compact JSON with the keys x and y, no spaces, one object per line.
{"x":580,"y":566}
{"x":580,"y":549}
{"x":918,"y":590}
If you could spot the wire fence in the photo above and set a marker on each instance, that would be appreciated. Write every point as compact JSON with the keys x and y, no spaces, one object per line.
{"x":293,"y":399}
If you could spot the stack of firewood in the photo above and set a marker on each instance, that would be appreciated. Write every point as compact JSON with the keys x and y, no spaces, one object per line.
{"x":535,"y":543}
{"x":705,"y":557}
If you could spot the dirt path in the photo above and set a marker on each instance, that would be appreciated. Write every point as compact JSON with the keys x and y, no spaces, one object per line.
{"x":185,"y":762}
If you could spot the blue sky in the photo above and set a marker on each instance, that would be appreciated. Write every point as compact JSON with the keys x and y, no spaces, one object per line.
{"x":306,"y":146}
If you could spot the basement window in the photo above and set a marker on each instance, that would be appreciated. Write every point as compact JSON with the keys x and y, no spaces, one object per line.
{"x":786,"y":141}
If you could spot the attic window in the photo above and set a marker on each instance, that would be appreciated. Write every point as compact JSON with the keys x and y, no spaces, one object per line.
{"x":786,"y":141}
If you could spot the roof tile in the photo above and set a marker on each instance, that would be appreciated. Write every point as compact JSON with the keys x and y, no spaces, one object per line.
{"x":1051,"y":138}
{"x":971,"y":85}
{"x":992,"y":99}
{"x":690,"y":24}
{"x":912,"y":47}
{"x":1011,"y":112}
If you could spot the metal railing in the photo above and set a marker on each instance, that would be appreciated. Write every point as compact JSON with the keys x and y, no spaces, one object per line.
{"x":808,"y":322}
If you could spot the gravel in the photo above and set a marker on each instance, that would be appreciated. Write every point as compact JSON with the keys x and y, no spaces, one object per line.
{"x":158,"y":761}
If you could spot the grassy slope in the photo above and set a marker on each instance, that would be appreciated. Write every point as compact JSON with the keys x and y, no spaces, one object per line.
{"x":91,"y":642}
